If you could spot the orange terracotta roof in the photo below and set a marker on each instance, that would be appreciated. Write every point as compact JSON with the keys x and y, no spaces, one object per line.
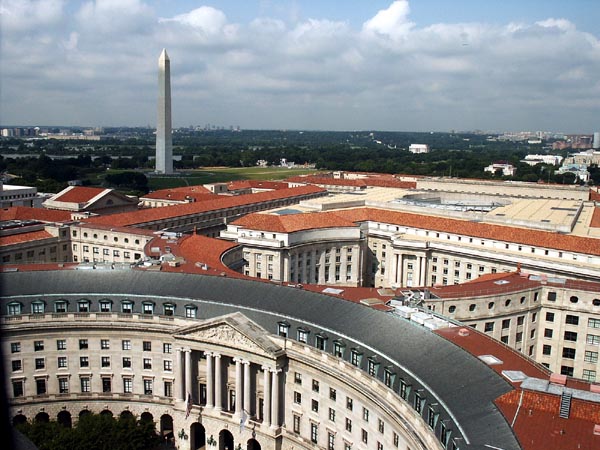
{"x":24,"y":237}
{"x":257,"y":184}
{"x":290,"y":223}
{"x":379,"y":180}
{"x":154,"y":214}
{"x":78,"y":194}
{"x":180,"y":194}
{"x":595,"y":222}
{"x":486,"y":285}
{"x":595,"y":194}
{"x":538,"y":425}
{"x":536,"y":238}
{"x":41,"y":214}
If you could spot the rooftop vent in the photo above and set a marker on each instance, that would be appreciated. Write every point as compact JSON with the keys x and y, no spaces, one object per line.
{"x":490,"y":360}
{"x":501,"y":282}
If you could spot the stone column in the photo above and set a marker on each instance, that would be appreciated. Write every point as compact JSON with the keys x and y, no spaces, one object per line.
{"x":238,"y":386}
{"x":275,"y":399}
{"x":218,"y":383}
{"x":210,"y":383}
{"x":247,"y":384}
{"x":322,"y":273}
{"x":188,"y":373}
{"x":179,"y":388}
{"x":267,"y":396}
{"x":423,"y":277}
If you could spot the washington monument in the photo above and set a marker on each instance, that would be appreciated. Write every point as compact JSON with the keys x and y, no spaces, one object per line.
{"x":164,"y":145}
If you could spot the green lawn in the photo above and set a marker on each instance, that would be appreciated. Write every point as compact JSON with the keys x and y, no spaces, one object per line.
{"x":223,"y":174}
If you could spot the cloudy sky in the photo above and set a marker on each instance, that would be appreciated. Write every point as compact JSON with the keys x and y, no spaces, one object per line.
{"x":305,"y":64}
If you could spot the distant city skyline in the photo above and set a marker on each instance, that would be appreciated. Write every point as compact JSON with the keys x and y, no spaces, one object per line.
{"x":381,"y":65}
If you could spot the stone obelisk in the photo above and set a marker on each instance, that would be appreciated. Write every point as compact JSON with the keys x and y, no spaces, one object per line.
{"x":164,"y":145}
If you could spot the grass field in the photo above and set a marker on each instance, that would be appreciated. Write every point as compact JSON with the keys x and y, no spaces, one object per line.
{"x":223,"y":174}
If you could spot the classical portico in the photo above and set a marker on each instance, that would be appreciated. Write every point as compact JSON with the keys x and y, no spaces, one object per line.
{"x":243,"y":383}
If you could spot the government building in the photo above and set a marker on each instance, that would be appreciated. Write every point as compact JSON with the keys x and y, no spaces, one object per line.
{"x":352,"y":311}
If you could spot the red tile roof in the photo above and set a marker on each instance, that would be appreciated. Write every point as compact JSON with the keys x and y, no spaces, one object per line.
{"x":289,"y":223}
{"x":24,"y":237}
{"x":41,"y":214}
{"x":180,"y":194}
{"x":257,"y":184}
{"x":78,"y":194}
{"x":595,"y":222}
{"x":536,"y":238}
{"x":595,"y":194}
{"x":486,"y":285}
{"x":379,"y":180}
{"x":538,"y":425}
{"x":154,"y":214}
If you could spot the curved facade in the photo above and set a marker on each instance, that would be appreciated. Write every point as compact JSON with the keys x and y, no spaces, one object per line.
{"x":227,"y":362}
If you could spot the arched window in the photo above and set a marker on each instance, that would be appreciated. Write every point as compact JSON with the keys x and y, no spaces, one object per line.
{"x":126,"y":306}
{"x":168,"y":309}
{"x":38,"y":307}
{"x":191,"y":311}
{"x":83,"y":305}
{"x":14,"y":308}
{"x":106,"y":305}
{"x":60,"y":306}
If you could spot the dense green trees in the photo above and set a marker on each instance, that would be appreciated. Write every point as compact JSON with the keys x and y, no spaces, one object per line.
{"x":93,"y":432}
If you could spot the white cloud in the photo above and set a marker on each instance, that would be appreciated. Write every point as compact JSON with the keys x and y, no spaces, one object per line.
{"x":314,"y":73}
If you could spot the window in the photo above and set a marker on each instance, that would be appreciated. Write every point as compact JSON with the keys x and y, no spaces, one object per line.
{"x":147,"y":386}
{"x":314,"y":405}
{"x":126,"y":362}
{"x":40,"y":386}
{"x":168,"y":365}
{"x":63,"y":385}
{"x":168,"y":388}
{"x":83,"y":306}
{"x":505,"y":324}
{"x":566,"y":370}
{"x":190,"y":311}
{"x":520,"y":320}
{"x":592,"y":339}
{"x":332,"y":394}
{"x":594,"y":323}
{"x":84,"y":361}
{"x":548,"y":332}
{"x":147,"y":308}
{"x":388,"y":378}
{"x":38,"y":346}
{"x":568,"y":353}
{"x":37,"y":308}
{"x":365,"y":414}
{"x":303,"y":335}
{"x":395,"y":439}
{"x":547,"y":350}
{"x":591,"y":357}
{"x":297,"y":397}
{"x":147,"y":346}
{"x":330,"y":441}
{"x":85,"y":384}
{"x":106,"y":384}
{"x":404,"y":389}
{"x":551,"y":296}
{"x":570,"y":336}
{"x":489,"y":326}
{"x":40,"y":363}
{"x":104,"y":344}
{"x":126,"y":307}
{"x":320,"y":342}
{"x":127,"y":385}
{"x":15,"y":347}
{"x":349,"y":403}
{"x":297,"y":378}
{"x":572,"y":320}
{"x":283,"y":328}
{"x":17,"y":365}
{"x":418,"y":403}
{"x":589,"y":375}
{"x":314,"y":432}
{"x":296,"y":423}
{"x":355,"y":357}
{"x":147,"y":363}
{"x":315,"y":385}
{"x":365,"y":436}
{"x":126,"y":345}
{"x":83,"y":344}
{"x":380,"y":426}
{"x":338,"y":349}
{"x":573,"y":299}
{"x":167,"y":347}
{"x":373,"y":367}
{"x":472,"y":307}
{"x":332,"y":414}
{"x":549,"y":317}
{"x":169,"y":309}
{"x":62,"y":362}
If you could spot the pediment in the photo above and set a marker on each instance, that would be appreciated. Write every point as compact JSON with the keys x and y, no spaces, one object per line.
{"x":235,"y":331}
